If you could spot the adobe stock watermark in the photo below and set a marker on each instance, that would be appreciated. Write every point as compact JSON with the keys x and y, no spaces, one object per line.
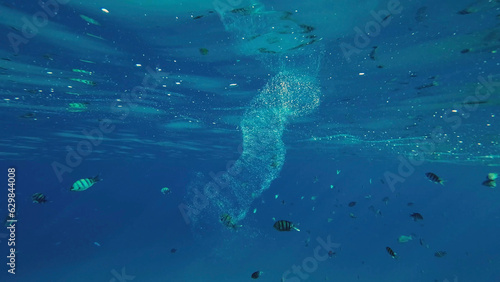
{"x":310,"y":264}
{"x":32,"y":27}
{"x":219,"y":181}
{"x":372,"y":29}
{"x":121,"y":277}
{"x":93,"y":138}
{"x":3,"y":236}
{"x":223,"y":6}
{"x":453,"y":117}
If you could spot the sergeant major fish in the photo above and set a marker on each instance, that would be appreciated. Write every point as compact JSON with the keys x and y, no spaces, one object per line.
{"x":84,"y":184}
{"x":284,"y":225}
{"x":434,"y":178}
{"x":227,"y":221}
{"x":391,"y":252}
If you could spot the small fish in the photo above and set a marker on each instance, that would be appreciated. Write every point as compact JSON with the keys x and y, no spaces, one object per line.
{"x":165,"y":190}
{"x":39,"y":198}
{"x":352,"y":204}
{"x":490,"y":183}
{"x":28,"y":115}
{"x":492,"y":176}
{"x":404,"y":238}
{"x":84,"y":184}
{"x":386,"y":200}
{"x":422,"y":243}
{"x":440,"y":254}
{"x":227,"y":221}
{"x":416,"y":216}
{"x":97,"y":244}
{"x":256,"y":274}
{"x":173,"y":250}
{"x":372,"y":53}
{"x":204,"y":51}
{"x":89,"y":20}
{"x":331,"y":253}
{"x":284,"y":225}
{"x":391,"y":252}
{"x":434,"y":178}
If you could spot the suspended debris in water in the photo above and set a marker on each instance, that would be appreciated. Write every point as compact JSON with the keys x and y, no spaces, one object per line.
{"x":284,"y":225}
{"x":89,"y":20}
{"x":416,"y":216}
{"x":38,"y":198}
{"x":434,"y":178}
{"x":204,"y":51}
{"x":440,"y":254}
{"x":256,"y":274}
{"x":84,"y":184}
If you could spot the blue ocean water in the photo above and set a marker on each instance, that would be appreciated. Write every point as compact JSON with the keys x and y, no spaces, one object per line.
{"x":327,"y":114}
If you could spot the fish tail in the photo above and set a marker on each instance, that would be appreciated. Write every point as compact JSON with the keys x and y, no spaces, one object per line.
{"x":97,"y":178}
{"x":442,"y":182}
{"x":296,"y":228}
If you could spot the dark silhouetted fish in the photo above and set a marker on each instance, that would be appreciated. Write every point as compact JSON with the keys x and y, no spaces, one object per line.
{"x":434,"y":178}
{"x":416,"y":216}
{"x":440,"y":254}
{"x":39,"y":198}
{"x":284,"y":225}
{"x":391,"y":252}
{"x":227,"y":220}
{"x":256,"y":274}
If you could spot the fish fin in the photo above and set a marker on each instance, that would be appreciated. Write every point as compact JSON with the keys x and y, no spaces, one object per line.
{"x":442,"y":182}
{"x":97,"y":178}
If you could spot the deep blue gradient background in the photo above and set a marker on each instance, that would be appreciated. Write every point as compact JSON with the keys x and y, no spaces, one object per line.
{"x":189,"y":125}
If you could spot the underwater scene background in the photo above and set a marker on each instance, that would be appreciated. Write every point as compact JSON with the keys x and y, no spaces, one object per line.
{"x":236,"y":140}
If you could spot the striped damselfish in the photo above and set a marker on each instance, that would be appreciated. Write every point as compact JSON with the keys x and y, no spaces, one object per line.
{"x":84,"y":184}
